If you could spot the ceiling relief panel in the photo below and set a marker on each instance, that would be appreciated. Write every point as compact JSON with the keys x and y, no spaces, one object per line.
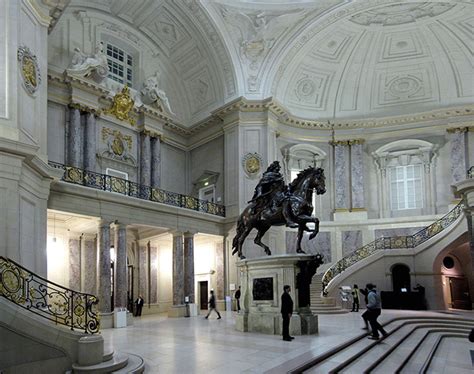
{"x":400,"y":14}
{"x":407,"y":85}
{"x":333,"y":45}
{"x":402,"y":45}
{"x":311,"y":87}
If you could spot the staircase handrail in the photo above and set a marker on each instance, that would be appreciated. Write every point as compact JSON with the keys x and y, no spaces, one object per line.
{"x":47,"y":299}
{"x":122,"y":186}
{"x":396,"y":242}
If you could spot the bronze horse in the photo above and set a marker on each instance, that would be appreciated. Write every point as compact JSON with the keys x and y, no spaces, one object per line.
{"x":298,"y":201}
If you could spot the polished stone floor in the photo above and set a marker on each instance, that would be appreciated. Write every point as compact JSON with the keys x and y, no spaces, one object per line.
{"x":197,"y":345}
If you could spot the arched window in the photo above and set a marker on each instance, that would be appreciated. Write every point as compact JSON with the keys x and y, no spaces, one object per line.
{"x":401,"y":278}
{"x":297,"y":158}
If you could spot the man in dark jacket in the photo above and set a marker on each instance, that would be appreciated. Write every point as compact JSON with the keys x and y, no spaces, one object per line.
{"x":139,"y":306}
{"x":237,"y":297}
{"x":374,"y":307}
{"x":212,"y":306}
{"x":286,"y":312}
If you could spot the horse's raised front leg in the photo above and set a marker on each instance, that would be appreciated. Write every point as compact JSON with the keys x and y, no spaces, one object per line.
{"x":258,"y":239}
{"x":301,"y":229}
{"x":316,"y":229}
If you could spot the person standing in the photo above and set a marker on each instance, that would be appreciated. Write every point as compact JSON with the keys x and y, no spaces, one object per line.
{"x":365,"y":315}
{"x":286,"y":312}
{"x":237,"y":297}
{"x":212,"y":306}
{"x":139,"y":305}
{"x":374,"y":308}
{"x":355,"y":298}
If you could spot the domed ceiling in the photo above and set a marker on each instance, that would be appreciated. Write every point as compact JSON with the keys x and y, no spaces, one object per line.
{"x":320,"y":59}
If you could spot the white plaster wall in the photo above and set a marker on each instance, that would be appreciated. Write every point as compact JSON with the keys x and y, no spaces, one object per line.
{"x":209,"y":156}
{"x":173,"y":161}
{"x":165,"y":272}
{"x":56,"y":132}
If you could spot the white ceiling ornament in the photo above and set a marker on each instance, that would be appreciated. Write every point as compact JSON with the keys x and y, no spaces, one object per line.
{"x":399,"y":14}
{"x":255,"y":32}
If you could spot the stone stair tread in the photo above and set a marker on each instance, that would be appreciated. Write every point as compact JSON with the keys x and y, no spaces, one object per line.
{"x":108,"y":353}
{"x":118,"y":361}
{"x":136,"y":364}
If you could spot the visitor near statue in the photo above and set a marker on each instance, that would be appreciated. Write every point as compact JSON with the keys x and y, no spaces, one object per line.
{"x":286,"y":313}
{"x":374,"y":308}
{"x":237,"y":298}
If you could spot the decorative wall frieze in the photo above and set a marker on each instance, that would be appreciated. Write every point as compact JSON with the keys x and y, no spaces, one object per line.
{"x":347,"y":142}
{"x":454,"y":130}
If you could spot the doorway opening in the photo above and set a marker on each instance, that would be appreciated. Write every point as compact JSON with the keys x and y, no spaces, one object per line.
{"x":401,"y":278}
{"x":203,"y":292}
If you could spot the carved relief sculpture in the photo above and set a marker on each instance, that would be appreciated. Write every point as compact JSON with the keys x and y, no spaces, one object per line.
{"x":29,"y":69}
{"x":252,"y":163}
{"x":119,"y":146}
{"x":122,"y":106}
{"x":151,"y":94}
{"x":94,"y":66}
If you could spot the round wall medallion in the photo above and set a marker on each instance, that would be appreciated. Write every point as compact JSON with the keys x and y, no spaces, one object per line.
{"x":29,"y":69}
{"x":252,"y":163}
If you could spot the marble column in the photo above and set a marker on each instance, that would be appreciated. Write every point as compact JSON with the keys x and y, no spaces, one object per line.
{"x":88,"y":264}
{"x":357,"y":175}
{"x":189,"y":266}
{"x":145,"y":159}
{"x":74,"y":141}
{"x":341,"y":175}
{"x":75,"y":263}
{"x":457,"y":137}
{"x":178,"y":269}
{"x":120,"y":268}
{"x":220,"y":270}
{"x":104,"y":286}
{"x":90,"y":142}
{"x":155,"y":162}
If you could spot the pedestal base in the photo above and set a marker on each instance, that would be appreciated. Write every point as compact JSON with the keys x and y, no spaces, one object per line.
{"x":177,"y":311}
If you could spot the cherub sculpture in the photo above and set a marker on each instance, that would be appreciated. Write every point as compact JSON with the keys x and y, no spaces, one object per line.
{"x":94,"y":66}
{"x":151,"y":94}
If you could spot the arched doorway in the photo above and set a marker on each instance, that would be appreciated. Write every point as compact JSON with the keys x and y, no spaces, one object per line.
{"x":401,"y":278}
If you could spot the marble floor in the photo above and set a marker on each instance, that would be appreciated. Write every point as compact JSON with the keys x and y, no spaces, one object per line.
{"x":197,"y":345}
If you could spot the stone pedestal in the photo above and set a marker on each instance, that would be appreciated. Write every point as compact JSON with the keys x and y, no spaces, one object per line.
{"x":262,"y":281}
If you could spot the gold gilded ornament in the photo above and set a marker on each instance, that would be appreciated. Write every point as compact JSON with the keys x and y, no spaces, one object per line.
{"x":252,"y":164}
{"x":117,"y":145}
{"x":29,"y":69}
{"x":122,"y":106}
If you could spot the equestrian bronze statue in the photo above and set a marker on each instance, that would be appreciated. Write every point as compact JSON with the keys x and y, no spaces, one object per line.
{"x":276,"y":204}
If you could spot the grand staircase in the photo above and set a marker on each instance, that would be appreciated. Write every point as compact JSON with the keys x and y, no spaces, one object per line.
{"x":320,"y":304}
{"x":414,"y":344}
{"x":47,"y":328}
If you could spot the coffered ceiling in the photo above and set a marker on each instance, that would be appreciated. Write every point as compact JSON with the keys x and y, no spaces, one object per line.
{"x":320,"y":59}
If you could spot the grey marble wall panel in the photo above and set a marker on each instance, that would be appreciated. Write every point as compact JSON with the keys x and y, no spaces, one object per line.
{"x":155,"y":162}
{"x":458,"y":155}
{"x":90,"y":266}
{"x":153,"y":275}
{"x":75,"y":264}
{"x":74,"y":142}
{"x":220,"y":270}
{"x":145,"y":160}
{"x":178,"y":269}
{"x":351,"y":240}
{"x":401,"y":231}
{"x":143,"y":270}
{"x":90,"y":142}
{"x":320,"y":244}
{"x":357,"y":176}
{"x":103,"y":277}
{"x":121,"y":285}
{"x":189,"y":267}
{"x":341,"y":176}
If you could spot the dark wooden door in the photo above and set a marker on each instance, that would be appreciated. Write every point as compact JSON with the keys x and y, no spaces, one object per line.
{"x":460,"y":298}
{"x":203,"y":295}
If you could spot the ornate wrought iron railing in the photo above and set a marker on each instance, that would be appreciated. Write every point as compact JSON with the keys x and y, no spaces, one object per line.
{"x":47,"y":299}
{"x":470,"y":173}
{"x":122,"y":186}
{"x":397,"y":242}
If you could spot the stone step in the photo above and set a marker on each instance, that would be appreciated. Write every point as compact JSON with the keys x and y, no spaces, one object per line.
{"x":118,"y":361}
{"x":136,"y":365}
{"x":108,"y":353}
{"x":330,"y":311}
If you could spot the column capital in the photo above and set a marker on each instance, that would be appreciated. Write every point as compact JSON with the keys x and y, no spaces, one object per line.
{"x":189,"y":233}
{"x":118,"y":225}
{"x":176,"y":233}
{"x":457,"y":130}
{"x":104,"y":223}
{"x":346,"y":143}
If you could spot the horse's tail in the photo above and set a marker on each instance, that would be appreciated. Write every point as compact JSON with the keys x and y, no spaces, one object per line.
{"x":239,"y":230}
